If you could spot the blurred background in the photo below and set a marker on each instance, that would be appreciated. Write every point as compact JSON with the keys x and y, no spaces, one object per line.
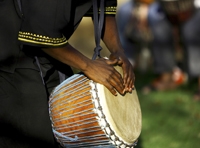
{"x":162,"y":43}
{"x":83,"y":38}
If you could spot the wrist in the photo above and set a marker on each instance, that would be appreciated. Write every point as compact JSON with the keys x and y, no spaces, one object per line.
{"x":85,"y":65}
{"x":119,"y":51}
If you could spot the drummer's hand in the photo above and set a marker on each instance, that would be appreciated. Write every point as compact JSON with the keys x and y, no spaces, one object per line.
{"x":128,"y":74}
{"x":102,"y":71}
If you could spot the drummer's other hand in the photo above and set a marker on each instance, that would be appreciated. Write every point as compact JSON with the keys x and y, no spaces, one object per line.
{"x":102,"y":71}
{"x":128,"y":74}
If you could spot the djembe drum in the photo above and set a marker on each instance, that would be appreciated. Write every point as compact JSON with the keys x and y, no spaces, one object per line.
{"x":144,"y":1}
{"x":178,"y":11}
{"x":85,"y":114}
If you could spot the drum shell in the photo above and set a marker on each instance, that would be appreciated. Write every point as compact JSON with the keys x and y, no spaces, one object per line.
{"x":75,"y":111}
{"x":71,"y":113}
{"x":144,"y":1}
{"x":178,"y":11}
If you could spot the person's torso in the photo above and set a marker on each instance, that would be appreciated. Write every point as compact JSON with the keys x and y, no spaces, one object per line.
{"x":9,"y":26}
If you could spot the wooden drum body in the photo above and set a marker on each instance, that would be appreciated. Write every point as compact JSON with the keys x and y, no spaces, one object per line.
{"x":86,"y":114}
{"x":145,"y":1}
{"x":178,"y":10}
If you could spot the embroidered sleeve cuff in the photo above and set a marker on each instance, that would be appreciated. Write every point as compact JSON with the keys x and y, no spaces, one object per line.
{"x":108,"y":10}
{"x":40,"y":40}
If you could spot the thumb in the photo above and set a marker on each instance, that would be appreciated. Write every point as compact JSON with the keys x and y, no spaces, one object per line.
{"x":112,"y":62}
{"x":116,"y":57}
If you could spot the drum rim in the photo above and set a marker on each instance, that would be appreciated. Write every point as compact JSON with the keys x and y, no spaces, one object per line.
{"x":113,"y":137}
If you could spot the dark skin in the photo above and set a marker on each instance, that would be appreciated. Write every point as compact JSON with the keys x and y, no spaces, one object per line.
{"x":101,"y":70}
{"x":112,"y":41}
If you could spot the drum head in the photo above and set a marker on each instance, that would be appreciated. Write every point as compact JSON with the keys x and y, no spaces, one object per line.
{"x":123,"y":113}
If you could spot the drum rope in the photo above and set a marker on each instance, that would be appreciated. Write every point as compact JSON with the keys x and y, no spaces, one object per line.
{"x":70,"y":79}
{"x":67,"y":88}
{"x":89,"y":145}
{"x":66,"y":137}
{"x":67,"y":94}
{"x":93,"y":137}
{"x":97,"y":124}
{"x":105,"y":125}
{"x":80,"y":131}
{"x":98,"y":25}
{"x":71,"y":117}
{"x":75,"y":124}
{"x":65,"y":109}
{"x":101,"y":144}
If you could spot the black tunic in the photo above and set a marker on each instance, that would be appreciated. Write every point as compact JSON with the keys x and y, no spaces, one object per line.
{"x":24,"y":117}
{"x":51,"y":23}
{"x":46,"y":23}
{"x":9,"y":27}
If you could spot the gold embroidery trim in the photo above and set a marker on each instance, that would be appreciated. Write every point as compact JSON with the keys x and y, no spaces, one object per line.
{"x":108,"y":10}
{"x":40,"y":39}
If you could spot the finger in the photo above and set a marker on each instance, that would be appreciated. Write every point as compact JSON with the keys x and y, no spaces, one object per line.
{"x":118,"y":85}
{"x":117,"y":78}
{"x":130,"y":86}
{"x":120,"y":61}
{"x":128,"y":79}
{"x":112,"y":62}
{"x":127,"y":85}
{"x":116,"y":81}
{"x":125,"y":77}
{"x":111,"y":89}
{"x":130,"y":82}
{"x":114,"y":57}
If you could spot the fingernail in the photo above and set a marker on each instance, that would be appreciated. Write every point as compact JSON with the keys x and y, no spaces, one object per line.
{"x":124,"y":91}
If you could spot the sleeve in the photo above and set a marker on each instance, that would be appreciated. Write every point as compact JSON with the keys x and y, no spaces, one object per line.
{"x":110,"y":8}
{"x":42,"y":23}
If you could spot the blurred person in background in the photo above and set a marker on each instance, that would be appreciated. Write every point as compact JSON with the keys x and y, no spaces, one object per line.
{"x":175,"y":28}
{"x":133,"y":29}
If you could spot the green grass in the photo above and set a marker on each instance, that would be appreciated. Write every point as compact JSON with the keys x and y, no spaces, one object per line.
{"x":171,"y":119}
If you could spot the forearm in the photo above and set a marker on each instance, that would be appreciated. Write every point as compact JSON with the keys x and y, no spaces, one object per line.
{"x":99,"y":70}
{"x":69,"y":56}
{"x":112,"y":41}
{"x":110,"y":35}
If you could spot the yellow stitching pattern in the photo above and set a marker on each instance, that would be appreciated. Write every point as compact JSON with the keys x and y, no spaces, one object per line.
{"x":90,"y":13}
{"x":111,"y":9}
{"x":108,"y":10}
{"x":42,"y":40}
